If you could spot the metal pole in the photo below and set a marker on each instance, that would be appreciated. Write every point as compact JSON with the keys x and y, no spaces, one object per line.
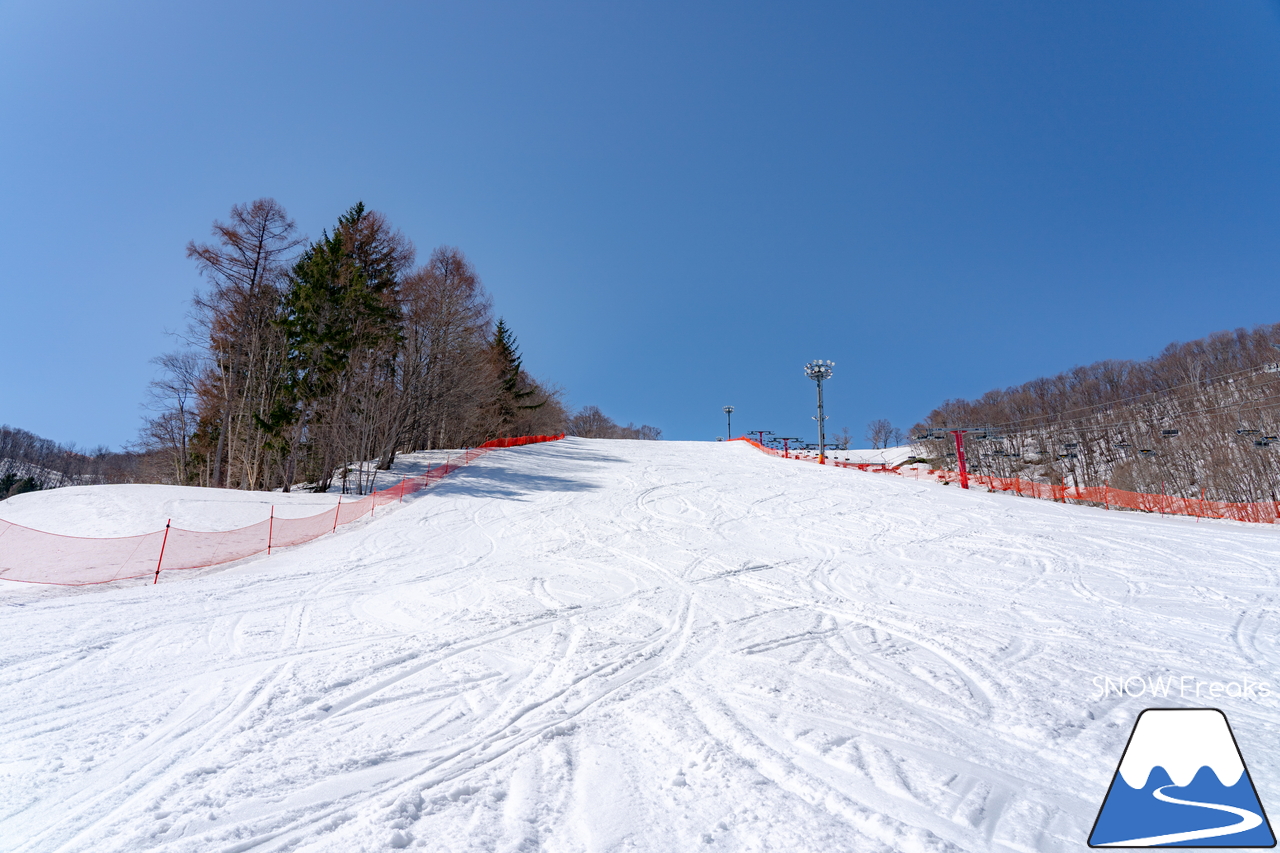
{"x":822,"y":428}
{"x":964,"y":472}
{"x":271,"y":524}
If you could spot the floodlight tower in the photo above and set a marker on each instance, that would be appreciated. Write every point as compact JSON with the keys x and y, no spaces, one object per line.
{"x":818,"y":370}
{"x":728,"y":413}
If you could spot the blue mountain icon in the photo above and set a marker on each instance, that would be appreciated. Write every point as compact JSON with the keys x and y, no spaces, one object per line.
{"x":1182,"y":783}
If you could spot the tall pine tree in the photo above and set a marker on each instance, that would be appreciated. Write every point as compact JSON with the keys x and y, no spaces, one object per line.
{"x":514,"y":386}
{"x":341,"y":322}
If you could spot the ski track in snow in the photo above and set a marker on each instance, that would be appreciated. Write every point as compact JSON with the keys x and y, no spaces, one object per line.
{"x":650,"y":646}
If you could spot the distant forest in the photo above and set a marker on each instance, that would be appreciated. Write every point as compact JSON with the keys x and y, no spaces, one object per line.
{"x":29,"y":463}
{"x":307,"y":357}
{"x":1200,"y":420}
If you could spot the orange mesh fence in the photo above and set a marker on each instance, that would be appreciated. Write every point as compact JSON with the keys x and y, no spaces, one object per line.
{"x":295,"y":531}
{"x":193,"y":549}
{"x":521,"y":441}
{"x":1263,"y":512}
{"x":34,"y":556}
{"x":26,"y":555}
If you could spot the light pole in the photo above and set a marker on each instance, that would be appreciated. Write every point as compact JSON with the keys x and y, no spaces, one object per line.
{"x":818,"y":370}
{"x":728,"y":413}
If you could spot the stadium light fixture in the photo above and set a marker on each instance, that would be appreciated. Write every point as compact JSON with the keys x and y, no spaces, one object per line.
{"x":818,"y":370}
{"x":728,"y":413}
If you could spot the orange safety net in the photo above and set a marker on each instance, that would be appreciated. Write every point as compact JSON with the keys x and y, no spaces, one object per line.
{"x":34,"y":556}
{"x":521,"y":440}
{"x":1262,"y":512}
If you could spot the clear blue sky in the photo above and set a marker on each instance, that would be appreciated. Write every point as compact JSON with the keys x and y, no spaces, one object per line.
{"x":674,"y":205}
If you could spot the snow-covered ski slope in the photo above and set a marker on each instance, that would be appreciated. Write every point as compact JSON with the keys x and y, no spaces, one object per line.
{"x":653,"y":646}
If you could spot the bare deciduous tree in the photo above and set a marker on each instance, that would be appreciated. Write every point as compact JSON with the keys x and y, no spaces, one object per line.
{"x":881,"y":433}
{"x":236,"y":321}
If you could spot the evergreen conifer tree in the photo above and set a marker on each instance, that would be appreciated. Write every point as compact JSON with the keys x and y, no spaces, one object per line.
{"x":340,"y":314}
{"x":514,"y":386}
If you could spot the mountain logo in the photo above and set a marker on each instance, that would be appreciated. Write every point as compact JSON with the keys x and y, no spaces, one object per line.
{"x":1182,"y":783}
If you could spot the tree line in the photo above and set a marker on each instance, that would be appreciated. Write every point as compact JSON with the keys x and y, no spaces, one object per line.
{"x":1200,"y":420}
{"x":307,"y":358}
{"x":30,"y":463}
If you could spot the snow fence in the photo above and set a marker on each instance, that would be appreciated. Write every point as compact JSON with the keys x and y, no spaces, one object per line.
{"x":1262,"y":512}
{"x":34,"y":556}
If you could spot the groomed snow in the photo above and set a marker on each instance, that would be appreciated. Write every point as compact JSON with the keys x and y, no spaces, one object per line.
{"x":613,"y":645}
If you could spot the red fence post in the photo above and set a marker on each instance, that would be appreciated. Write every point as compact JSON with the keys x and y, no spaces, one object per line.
{"x":271,"y":524}
{"x":163,"y":542}
{"x":336,"y":510}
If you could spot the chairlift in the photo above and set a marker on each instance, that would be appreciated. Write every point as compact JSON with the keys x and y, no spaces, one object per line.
{"x":1248,"y":432}
{"x":1262,"y":442}
{"x":1147,"y":451}
{"x":1271,"y":437}
{"x":1169,"y":433}
{"x":1123,"y":445}
{"x":1071,"y":445}
{"x":1068,"y":456}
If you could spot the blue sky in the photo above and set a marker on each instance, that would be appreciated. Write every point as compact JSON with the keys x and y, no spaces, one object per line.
{"x":674,"y":205}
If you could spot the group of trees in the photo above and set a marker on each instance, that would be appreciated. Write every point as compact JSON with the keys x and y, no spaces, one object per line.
{"x":881,"y":433}
{"x":29,"y":463}
{"x":590,"y":422}
{"x":1202,"y":419}
{"x":307,"y":358}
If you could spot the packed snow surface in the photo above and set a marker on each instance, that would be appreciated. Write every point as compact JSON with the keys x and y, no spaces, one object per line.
{"x":613,"y":645}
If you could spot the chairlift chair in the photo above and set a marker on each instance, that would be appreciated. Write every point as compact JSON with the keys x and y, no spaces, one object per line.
{"x":1248,"y":432}
{"x":1147,"y":451}
{"x":1123,"y":445}
{"x":1071,"y":445}
{"x":1168,"y":433}
{"x":1262,"y":442}
{"x":1068,"y":456}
